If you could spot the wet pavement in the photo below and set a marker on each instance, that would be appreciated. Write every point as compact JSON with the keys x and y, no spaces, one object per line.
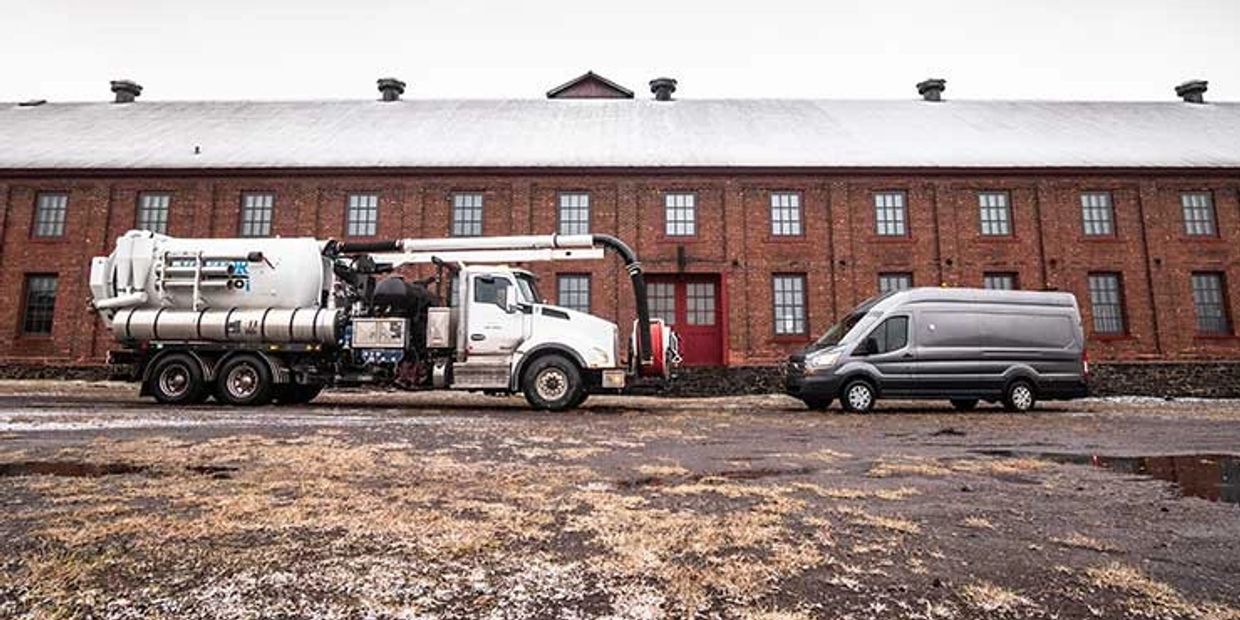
{"x":389,"y":505}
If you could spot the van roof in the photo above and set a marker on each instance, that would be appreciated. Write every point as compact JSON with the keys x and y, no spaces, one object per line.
{"x":928,"y":294}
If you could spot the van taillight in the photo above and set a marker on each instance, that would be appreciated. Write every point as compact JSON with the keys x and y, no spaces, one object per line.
{"x":1085,"y":362}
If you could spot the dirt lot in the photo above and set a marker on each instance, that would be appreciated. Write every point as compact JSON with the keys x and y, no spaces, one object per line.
{"x":448,"y":506}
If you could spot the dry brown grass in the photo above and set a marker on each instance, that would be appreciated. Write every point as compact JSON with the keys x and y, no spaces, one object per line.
{"x":978,"y":523}
{"x":1081,"y":541}
{"x":892,"y":524}
{"x":907,"y":467}
{"x":1151,"y":598}
{"x":663,"y":471}
{"x":994,"y":599}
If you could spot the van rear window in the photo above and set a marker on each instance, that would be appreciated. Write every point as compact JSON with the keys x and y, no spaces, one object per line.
{"x":978,"y":329}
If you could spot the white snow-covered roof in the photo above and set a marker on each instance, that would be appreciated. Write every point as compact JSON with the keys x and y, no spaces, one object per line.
{"x":148,"y":135}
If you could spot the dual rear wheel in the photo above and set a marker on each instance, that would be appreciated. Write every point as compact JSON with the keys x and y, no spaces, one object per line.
{"x":242,"y":380}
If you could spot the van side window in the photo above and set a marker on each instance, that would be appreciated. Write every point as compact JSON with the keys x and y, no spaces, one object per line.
{"x":892,"y":334}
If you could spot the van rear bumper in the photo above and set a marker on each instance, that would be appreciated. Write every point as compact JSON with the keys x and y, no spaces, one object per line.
{"x":1064,"y":390}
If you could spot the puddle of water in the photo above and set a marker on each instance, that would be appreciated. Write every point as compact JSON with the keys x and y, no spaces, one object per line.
{"x":72,"y":469}
{"x":1215,"y":477}
{"x":733,"y":474}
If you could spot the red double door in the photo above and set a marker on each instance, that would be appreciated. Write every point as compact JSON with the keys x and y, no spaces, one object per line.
{"x":693,"y":306}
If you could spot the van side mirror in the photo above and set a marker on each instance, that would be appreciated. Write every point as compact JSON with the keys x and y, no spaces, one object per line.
{"x":869,"y":346}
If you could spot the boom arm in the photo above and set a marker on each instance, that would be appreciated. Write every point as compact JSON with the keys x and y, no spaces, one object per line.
{"x":527,"y":248}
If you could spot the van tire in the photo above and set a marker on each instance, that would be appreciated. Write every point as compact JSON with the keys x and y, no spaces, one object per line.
{"x":1019,"y":396}
{"x":552,"y":383}
{"x":177,"y":379}
{"x":964,"y":404}
{"x":858,"y":396}
{"x":245,"y":380}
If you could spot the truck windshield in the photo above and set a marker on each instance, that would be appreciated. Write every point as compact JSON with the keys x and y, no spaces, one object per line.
{"x":528,"y":289}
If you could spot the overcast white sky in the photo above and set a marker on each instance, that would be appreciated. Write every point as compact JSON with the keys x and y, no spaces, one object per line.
{"x":68,"y":50}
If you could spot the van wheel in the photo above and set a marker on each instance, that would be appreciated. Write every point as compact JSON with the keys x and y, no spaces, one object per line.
{"x":858,"y":396}
{"x":964,"y":404}
{"x":245,"y":380}
{"x":177,"y":380}
{"x":1019,"y":396}
{"x":552,"y":383}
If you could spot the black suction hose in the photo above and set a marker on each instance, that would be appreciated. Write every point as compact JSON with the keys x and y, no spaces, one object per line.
{"x":634,"y":267}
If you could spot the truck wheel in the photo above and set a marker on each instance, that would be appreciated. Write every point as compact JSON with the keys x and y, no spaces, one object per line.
{"x":552,"y":383}
{"x":177,"y":380}
{"x":964,"y":404}
{"x":245,"y":380}
{"x":858,"y":396}
{"x":297,"y":393}
{"x":1019,"y":396}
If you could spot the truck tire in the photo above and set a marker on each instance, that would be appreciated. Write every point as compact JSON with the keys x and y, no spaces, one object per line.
{"x":245,"y":380}
{"x":858,"y":396}
{"x":1019,"y":396}
{"x":297,"y":393}
{"x":177,"y":380}
{"x":552,"y":383}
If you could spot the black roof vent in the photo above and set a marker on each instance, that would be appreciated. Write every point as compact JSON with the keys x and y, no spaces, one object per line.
{"x":663,"y":88}
{"x":1192,"y":91}
{"x":932,"y":89}
{"x":391,"y":88}
{"x":30,"y":103}
{"x":126,"y":90}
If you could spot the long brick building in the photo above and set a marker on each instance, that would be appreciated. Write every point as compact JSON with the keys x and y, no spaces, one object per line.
{"x":761,"y":221}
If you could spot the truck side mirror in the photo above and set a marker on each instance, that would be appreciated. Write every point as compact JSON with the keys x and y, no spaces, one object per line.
{"x":869,"y":346}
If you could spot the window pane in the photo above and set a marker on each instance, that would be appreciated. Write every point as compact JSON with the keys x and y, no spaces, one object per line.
{"x":661,"y":298}
{"x":999,"y":281}
{"x":153,"y":212}
{"x":256,"y":211}
{"x":362,"y":219}
{"x":1097,"y":215}
{"x":890,"y":214}
{"x":1210,"y":301}
{"x":40,"y":304}
{"x":996,"y":216}
{"x":574,"y":214}
{"x":700,"y":303}
{"x":49,"y":220}
{"x":574,"y":292}
{"x":680,"y":214}
{"x":789,"y":301}
{"x":785,"y":214}
{"x":466,"y":215}
{"x":1106,"y":298}
{"x":1198,"y":213}
{"x":888,"y":282}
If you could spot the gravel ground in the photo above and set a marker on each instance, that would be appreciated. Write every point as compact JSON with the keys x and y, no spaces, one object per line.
{"x":389,"y":505}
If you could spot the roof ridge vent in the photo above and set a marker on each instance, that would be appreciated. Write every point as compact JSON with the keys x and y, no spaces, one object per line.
{"x":1192,"y":91}
{"x":126,"y":90}
{"x":391,"y":88}
{"x":30,"y":103}
{"x":931,"y":89}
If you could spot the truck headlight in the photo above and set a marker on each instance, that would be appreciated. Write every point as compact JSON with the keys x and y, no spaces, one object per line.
{"x":598,"y":358}
{"x":824,"y":359}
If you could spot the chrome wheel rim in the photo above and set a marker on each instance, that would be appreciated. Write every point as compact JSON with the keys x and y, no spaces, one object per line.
{"x":859,"y":397}
{"x":552,"y":384}
{"x":242,"y":382}
{"x":1022,"y":397}
{"x":174,"y":381}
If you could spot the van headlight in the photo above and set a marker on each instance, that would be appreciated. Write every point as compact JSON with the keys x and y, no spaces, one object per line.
{"x":822,"y":359}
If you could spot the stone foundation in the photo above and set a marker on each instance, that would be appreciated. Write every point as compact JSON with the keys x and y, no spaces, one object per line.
{"x":1163,"y":379}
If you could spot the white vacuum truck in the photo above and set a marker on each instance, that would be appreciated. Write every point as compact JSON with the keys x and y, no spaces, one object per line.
{"x":250,"y":321}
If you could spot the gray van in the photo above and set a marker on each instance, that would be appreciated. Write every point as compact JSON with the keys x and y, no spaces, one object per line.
{"x":965,"y":345}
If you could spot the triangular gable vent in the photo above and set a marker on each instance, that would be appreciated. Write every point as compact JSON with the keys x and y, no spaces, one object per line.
{"x":589,"y":85}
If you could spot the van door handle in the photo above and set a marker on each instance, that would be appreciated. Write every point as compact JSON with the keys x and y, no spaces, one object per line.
{"x":908,"y":356}
{"x":477,"y":337}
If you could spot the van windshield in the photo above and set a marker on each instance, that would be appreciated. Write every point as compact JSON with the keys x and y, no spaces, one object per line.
{"x":837,"y":332}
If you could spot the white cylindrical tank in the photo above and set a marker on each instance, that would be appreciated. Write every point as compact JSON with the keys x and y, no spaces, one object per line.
{"x":149,"y":270}
{"x":305,"y":325}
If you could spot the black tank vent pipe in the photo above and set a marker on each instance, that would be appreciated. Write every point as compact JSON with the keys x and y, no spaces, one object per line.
{"x":634,"y":267}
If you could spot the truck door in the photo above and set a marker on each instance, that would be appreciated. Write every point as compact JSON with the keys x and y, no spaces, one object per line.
{"x":495,"y":326}
{"x":889,"y":349}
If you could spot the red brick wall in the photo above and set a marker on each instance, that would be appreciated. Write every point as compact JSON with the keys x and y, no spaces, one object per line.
{"x":839,"y":251}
